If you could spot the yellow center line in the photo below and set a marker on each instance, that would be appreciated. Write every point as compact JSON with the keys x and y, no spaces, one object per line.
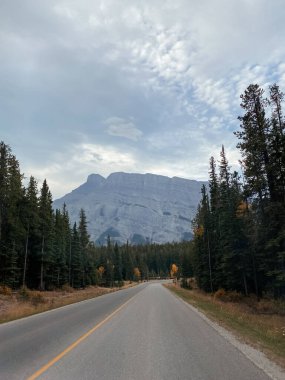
{"x":77,"y":342}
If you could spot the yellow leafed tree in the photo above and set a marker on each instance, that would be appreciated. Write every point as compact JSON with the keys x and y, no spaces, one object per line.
{"x":199,"y":231}
{"x":173,"y":270}
{"x":137,"y":273}
{"x":242,"y":209}
{"x":101,"y":270}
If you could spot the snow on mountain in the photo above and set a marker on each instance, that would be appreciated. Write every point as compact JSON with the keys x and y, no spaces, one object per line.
{"x":138,"y":208}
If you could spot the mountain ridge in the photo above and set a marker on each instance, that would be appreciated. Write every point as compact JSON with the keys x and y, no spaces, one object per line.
{"x":138,"y":208}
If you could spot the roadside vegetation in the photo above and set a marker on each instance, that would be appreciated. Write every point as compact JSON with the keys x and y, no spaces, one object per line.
{"x":239,"y":229}
{"x":259,"y":323}
{"x":25,"y":302}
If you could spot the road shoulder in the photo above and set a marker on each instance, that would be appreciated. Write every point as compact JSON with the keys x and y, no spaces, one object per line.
{"x":273,"y":370}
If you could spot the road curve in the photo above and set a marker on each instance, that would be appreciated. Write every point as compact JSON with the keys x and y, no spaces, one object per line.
{"x":147,"y":333}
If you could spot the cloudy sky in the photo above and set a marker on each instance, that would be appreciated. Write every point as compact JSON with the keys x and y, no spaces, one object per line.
{"x":152,"y":86}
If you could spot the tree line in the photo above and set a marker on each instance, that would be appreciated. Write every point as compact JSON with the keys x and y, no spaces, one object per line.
{"x":239,"y":228}
{"x":40,"y":249}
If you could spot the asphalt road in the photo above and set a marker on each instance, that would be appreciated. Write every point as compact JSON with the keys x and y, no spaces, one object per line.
{"x":141,"y":333}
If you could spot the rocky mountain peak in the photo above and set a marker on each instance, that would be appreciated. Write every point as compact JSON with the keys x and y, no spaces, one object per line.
{"x":134,"y":207}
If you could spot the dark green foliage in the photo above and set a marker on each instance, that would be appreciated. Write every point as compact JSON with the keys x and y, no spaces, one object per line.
{"x":118,"y":266}
{"x":46,"y":229}
{"x":239,"y":232}
{"x":77,"y":264}
{"x":11,"y":227}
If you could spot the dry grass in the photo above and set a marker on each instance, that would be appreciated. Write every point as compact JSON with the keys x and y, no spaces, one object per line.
{"x":15,"y":305}
{"x":261,"y":324}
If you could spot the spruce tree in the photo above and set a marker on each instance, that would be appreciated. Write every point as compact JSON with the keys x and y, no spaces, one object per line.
{"x":31,"y":222}
{"x":46,"y":228}
{"x":5,"y":153}
{"x":118,"y":277}
{"x":15,"y":229}
{"x":77,"y":267}
{"x":84,"y":243}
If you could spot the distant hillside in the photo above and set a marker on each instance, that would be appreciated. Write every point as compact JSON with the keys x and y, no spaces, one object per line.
{"x":138,"y":208}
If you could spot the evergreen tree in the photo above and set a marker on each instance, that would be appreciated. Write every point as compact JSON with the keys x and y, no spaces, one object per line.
{"x":253,"y":144}
{"x":61,"y":249}
{"x":77,"y":267}
{"x":109,"y":263}
{"x":203,"y":247}
{"x":277,"y":143}
{"x":118,"y":276}
{"x":31,"y":222}
{"x":15,"y":230}
{"x":84,"y":243}
{"x":262,"y":146}
{"x":46,"y":228}
{"x":5,"y":153}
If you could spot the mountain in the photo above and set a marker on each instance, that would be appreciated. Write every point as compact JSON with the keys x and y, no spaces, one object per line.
{"x":138,"y":208}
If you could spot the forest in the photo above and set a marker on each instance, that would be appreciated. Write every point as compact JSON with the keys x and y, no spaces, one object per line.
{"x":40,"y":249}
{"x":239,"y":228}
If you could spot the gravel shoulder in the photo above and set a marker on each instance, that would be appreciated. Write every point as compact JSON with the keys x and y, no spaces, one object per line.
{"x":273,"y":370}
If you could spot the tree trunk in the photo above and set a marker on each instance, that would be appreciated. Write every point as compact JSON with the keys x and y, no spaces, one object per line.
{"x":210,"y":264}
{"x":26,"y":256}
{"x":42,"y":266}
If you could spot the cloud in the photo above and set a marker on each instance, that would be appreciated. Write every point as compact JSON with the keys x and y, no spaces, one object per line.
{"x":67,"y":170}
{"x":135,"y":86}
{"x":122,"y":128}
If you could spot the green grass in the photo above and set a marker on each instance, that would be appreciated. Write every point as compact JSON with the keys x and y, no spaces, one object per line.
{"x":264,"y":331}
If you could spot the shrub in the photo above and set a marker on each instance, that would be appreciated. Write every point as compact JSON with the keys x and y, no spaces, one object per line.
{"x":233,"y":296}
{"x":193,"y":282}
{"x":37,"y":298}
{"x":24,"y":293}
{"x":67,"y":288}
{"x":229,"y":296}
{"x":5,"y":290}
{"x":220,"y":294}
{"x":186,"y":283}
{"x":119,"y":284}
{"x":33,"y":296}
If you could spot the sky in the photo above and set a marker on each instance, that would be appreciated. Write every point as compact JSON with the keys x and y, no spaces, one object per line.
{"x":150,"y":86}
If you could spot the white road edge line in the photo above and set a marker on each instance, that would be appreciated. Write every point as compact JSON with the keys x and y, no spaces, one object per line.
{"x":258,"y":358}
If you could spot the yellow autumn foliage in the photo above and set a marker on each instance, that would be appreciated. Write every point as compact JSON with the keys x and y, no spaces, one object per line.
{"x":173,"y":270}
{"x":242,"y":209}
{"x":101,"y":270}
{"x":199,"y":231}
{"x":137,"y":272}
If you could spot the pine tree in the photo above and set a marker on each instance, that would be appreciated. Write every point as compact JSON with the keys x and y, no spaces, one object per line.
{"x":77,"y":267}
{"x":262,"y":146}
{"x":109,"y":263}
{"x":61,"y":249}
{"x":277,"y":143}
{"x":84,"y":243}
{"x":46,"y":225}
{"x":30,"y":217}
{"x":203,"y":246}
{"x":15,"y":229}
{"x":118,"y":277}
{"x":5,"y":153}
{"x":253,"y":144}
{"x":127,"y":263}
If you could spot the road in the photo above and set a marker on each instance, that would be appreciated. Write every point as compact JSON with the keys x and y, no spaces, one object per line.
{"x":141,"y":333}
